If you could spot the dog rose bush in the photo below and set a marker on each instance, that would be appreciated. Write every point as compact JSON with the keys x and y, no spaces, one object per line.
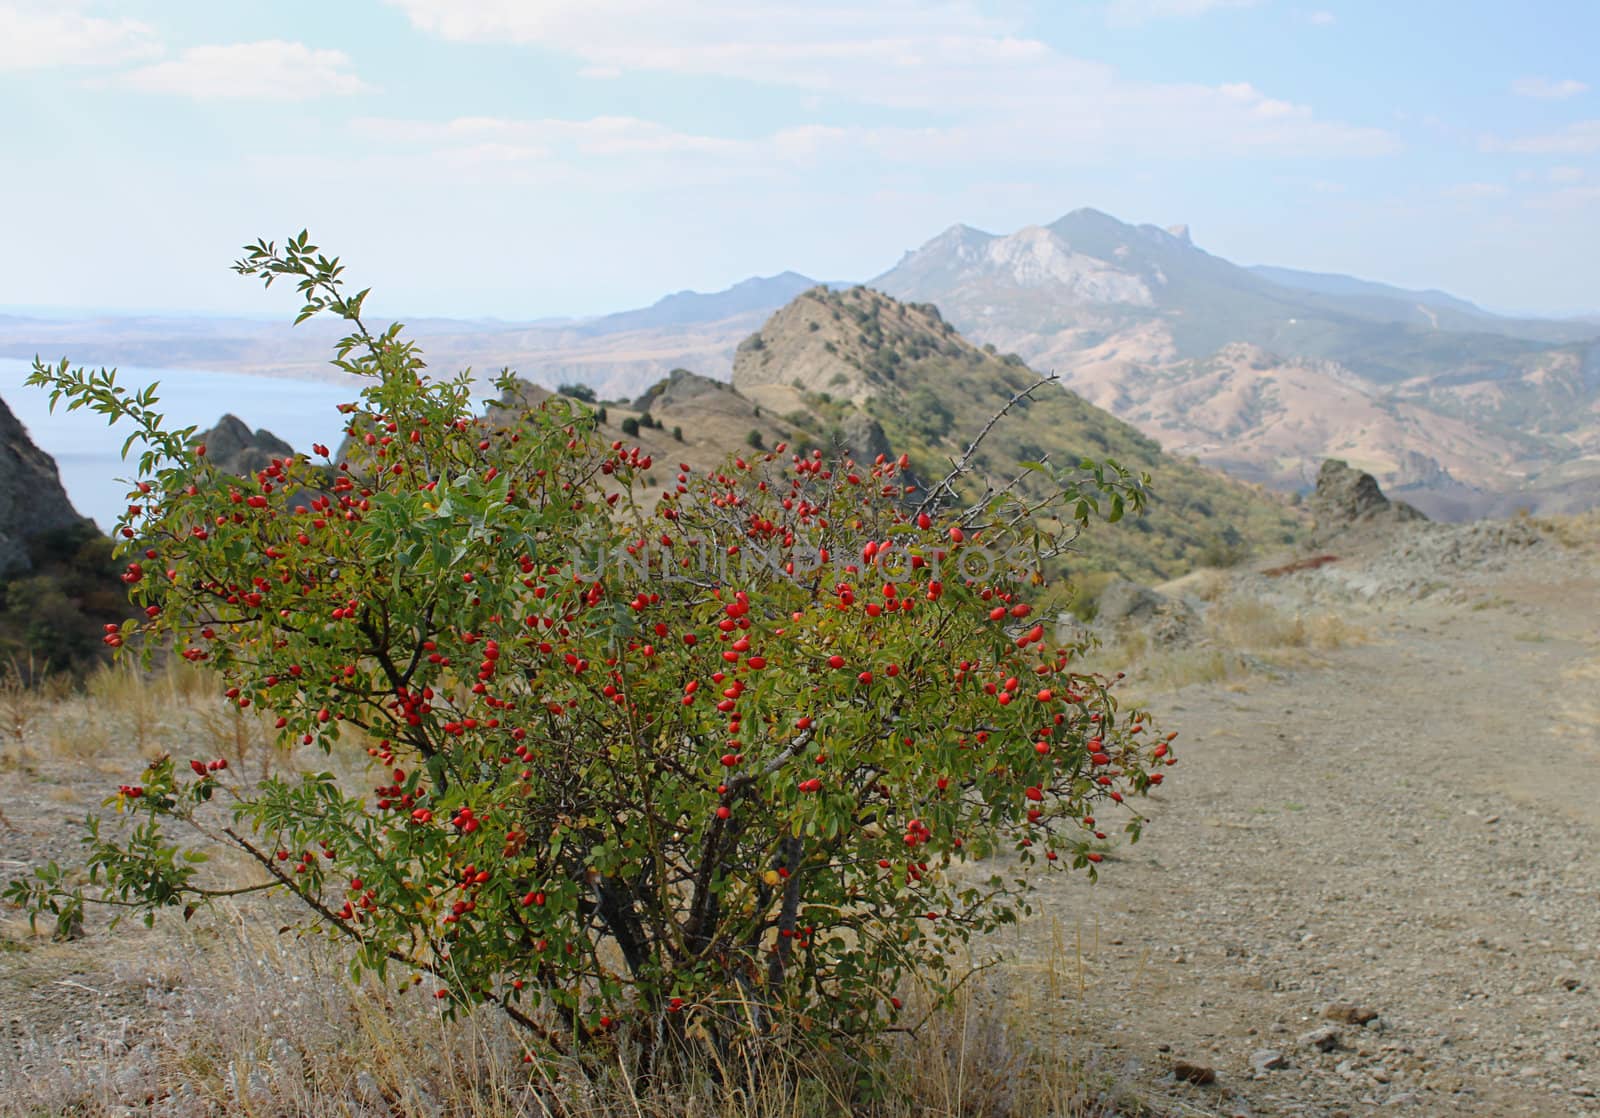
{"x":728,"y":759}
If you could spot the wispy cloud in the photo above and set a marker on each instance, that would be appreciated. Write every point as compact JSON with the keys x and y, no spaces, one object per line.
{"x":1134,"y":12}
{"x":1549,"y":89}
{"x":991,"y":86}
{"x":1474,"y":191}
{"x":1322,"y":19}
{"x":35,"y":36}
{"x":597,"y":136}
{"x":271,"y":70}
{"x":1579,"y":138}
{"x":1567,"y":199}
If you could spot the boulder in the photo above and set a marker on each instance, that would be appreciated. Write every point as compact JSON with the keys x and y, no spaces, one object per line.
{"x":863,"y":437}
{"x":1127,"y":603}
{"x":234,"y":449}
{"x":1346,"y":497}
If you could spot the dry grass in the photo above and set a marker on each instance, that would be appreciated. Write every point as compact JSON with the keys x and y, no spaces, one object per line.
{"x":242,"y":1022}
{"x":1208,"y":584}
{"x":24,"y":696}
{"x":1250,"y":625}
{"x":238,"y":1017}
{"x":1580,"y":531}
{"x":1235,"y":641}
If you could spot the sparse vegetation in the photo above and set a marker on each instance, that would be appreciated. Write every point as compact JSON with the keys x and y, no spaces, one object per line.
{"x":56,"y":613}
{"x":928,"y":387}
{"x":577,"y":392}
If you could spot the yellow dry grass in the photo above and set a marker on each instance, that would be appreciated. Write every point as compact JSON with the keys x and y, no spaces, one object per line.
{"x":1238,"y":639}
{"x":238,"y":1015}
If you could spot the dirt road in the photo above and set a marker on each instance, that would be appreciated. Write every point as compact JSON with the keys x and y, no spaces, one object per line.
{"x":1410,"y":829}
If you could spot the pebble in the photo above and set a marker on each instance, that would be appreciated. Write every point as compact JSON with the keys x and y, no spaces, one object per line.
{"x":1324,"y":1039}
{"x":1263,"y":1060}
{"x":1200,"y":1075}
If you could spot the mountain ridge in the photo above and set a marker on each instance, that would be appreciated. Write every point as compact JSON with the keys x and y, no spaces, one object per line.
{"x":1119,"y":309}
{"x":1141,"y":320}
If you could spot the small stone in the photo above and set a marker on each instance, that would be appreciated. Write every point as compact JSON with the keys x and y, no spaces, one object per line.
{"x":1347,"y":1014}
{"x":1325,"y":1039}
{"x":1198,"y":1074}
{"x":367,"y":1088}
{"x":1263,"y":1060}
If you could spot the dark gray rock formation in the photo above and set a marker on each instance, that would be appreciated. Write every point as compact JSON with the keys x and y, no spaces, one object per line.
{"x":234,"y":449}
{"x":32,"y":500}
{"x":1346,"y":497}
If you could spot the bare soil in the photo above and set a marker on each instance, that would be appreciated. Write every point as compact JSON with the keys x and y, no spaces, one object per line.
{"x":1408,"y":828}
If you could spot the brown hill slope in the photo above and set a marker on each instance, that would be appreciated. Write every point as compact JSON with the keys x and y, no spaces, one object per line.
{"x":835,"y":361}
{"x":1268,"y":372}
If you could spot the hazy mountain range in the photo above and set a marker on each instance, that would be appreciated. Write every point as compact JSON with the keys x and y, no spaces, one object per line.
{"x":1264,"y":371}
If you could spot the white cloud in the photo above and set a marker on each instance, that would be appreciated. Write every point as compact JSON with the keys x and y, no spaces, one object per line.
{"x":271,"y":69}
{"x":1548,"y":89}
{"x":36,"y":36}
{"x":1579,"y":138}
{"x":1322,"y":19}
{"x":992,"y":88}
{"x":1134,"y":12}
{"x":1474,"y":191}
{"x":598,"y":136}
{"x":1568,"y":198}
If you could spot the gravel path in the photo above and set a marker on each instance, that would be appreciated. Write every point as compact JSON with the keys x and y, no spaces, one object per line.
{"x":1408,"y":831}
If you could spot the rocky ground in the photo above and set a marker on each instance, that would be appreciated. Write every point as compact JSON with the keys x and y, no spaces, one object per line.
{"x":1372,"y":884}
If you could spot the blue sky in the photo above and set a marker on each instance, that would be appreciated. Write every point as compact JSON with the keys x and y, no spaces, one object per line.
{"x":524,"y":158}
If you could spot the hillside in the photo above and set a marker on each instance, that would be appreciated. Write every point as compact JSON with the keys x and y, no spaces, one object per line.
{"x":58,"y":583}
{"x":1469,"y":411}
{"x":840,"y":361}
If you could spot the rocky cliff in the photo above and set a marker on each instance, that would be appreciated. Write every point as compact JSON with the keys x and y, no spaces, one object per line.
{"x":233,"y":448}
{"x":32,"y":501}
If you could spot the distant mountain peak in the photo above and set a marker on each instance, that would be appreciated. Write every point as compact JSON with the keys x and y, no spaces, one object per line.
{"x":757,"y":294}
{"x":957,"y":238}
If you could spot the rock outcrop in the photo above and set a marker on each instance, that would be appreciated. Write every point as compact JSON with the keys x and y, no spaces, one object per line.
{"x":233,"y":448}
{"x":679,"y":388}
{"x":1123,"y":604}
{"x":1346,"y":497}
{"x":32,"y":500}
